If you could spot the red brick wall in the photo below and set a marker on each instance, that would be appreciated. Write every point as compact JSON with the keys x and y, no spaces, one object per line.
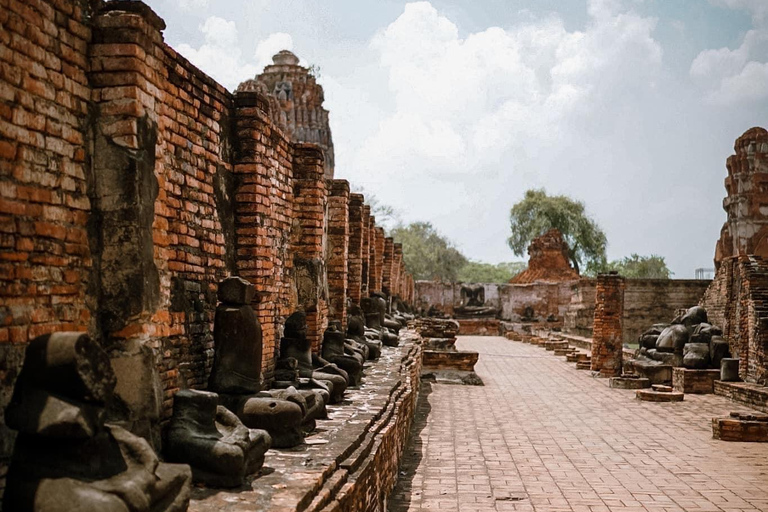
{"x":387,"y":266}
{"x":337,"y":250}
{"x":365,"y":255}
{"x":355,"y":249}
{"x":44,"y":254}
{"x":310,"y":203}
{"x":132,"y":183}
{"x":607,"y":337}
{"x":45,"y":259}
{"x":378,"y":261}
{"x":371,"y":256}
{"x":263,"y":217}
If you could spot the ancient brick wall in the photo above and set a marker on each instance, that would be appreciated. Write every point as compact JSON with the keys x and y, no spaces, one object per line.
{"x":646,"y":302}
{"x":261,"y":188}
{"x":607,"y":336}
{"x":735,"y":298}
{"x":132,"y":184}
{"x":397,"y":270}
{"x":337,"y":250}
{"x":387,"y":266}
{"x":45,"y":259}
{"x":745,"y":231}
{"x":377,"y":259}
{"x":355,"y":248}
{"x":365,"y":258}
{"x":310,"y":203}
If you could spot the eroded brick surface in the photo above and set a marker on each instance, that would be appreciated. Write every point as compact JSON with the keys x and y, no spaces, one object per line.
{"x":542,"y":436}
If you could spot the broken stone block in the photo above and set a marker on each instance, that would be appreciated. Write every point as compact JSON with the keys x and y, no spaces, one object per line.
{"x":729,"y":369}
{"x":718,"y":349}
{"x":694,"y":316}
{"x":696,"y":356}
{"x":65,"y":457}
{"x":236,"y":291}
{"x":213,"y":441}
{"x":673,"y":339}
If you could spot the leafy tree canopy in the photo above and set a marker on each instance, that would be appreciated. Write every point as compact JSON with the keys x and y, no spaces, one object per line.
{"x":479,"y":272}
{"x":537,"y":213}
{"x":427,"y":254}
{"x":639,"y":267}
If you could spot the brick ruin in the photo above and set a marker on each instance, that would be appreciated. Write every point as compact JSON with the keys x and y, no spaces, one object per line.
{"x":132,"y":183}
{"x":550,"y":288}
{"x":736,"y":299}
{"x":607,"y":335}
{"x":547,"y":261}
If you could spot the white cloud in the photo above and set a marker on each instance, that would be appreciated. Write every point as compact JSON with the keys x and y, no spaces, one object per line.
{"x":219,"y":56}
{"x":734,"y":76}
{"x":269,"y":46}
{"x":479,"y":118}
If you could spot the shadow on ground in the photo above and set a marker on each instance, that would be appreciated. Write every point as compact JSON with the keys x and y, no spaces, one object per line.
{"x":402,"y":496}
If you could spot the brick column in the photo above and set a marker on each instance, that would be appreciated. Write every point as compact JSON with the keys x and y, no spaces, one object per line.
{"x":337,"y":250}
{"x":378,"y":262}
{"x":365,"y":254}
{"x":307,"y":237}
{"x":397,"y":271}
{"x":355,"y":249}
{"x":607,"y":338}
{"x":388,"y":266}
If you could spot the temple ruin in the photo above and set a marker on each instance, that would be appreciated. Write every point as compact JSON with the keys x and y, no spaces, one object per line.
{"x":194,"y":313}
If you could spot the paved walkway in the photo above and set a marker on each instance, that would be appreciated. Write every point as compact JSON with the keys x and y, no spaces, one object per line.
{"x":541,"y":435}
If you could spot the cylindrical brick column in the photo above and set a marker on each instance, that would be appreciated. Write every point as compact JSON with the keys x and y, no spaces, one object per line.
{"x":608,"y":338}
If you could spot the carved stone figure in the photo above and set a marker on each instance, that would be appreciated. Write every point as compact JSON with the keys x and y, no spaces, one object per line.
{"x":356,"y":331}
{"x":336,"y":351}
{"x":236,"y":373}
{"x":213,"y":440}
{"x":374,"y":308}
{"x":473,"y":302}
{"x":689,"y":341}
{"x":65,"y":457}
{"x":295,"y":344}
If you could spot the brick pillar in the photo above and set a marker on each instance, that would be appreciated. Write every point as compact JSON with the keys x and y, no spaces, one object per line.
{"x":397,"y":271}
{"x":365,"y":253}
{"x":607,"y":338}
{"x":371,"y":254}
{"x":355,"y":249}
{"x":387,"y":266}
{"x":307,"y":237}
{"x":337,"y":249}
{"x":378,"y":263}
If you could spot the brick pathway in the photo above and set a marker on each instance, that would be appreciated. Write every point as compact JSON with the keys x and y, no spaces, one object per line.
{"x":541,"y":435}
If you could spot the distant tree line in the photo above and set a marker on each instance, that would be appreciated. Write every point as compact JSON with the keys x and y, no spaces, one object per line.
{"x":431,"y":256}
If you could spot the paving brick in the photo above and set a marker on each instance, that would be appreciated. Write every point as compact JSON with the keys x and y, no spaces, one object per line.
{"x":541,"y":436}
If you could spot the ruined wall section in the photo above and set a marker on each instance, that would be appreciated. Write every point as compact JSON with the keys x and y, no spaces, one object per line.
{"x":355,"y":248}
{"x":745,"y":232}
{"x":365,"y":257}
{"x":337,"y":250}
{"x":45,"y":259}
{"x":262,"y":189}
{"x":646,"y":302}
{"x":309,"y":231}
{"x":387,"y":264}
{"x":377,"y":264}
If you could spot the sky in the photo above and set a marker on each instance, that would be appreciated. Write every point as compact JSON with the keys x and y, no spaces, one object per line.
{"x":449,"y":110}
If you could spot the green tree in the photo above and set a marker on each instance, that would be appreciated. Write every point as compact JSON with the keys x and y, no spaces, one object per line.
{"x":479,"y":272}
{"x":537,"y":213}
{"x":427,"y":254}
{"x":639,"y":267}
